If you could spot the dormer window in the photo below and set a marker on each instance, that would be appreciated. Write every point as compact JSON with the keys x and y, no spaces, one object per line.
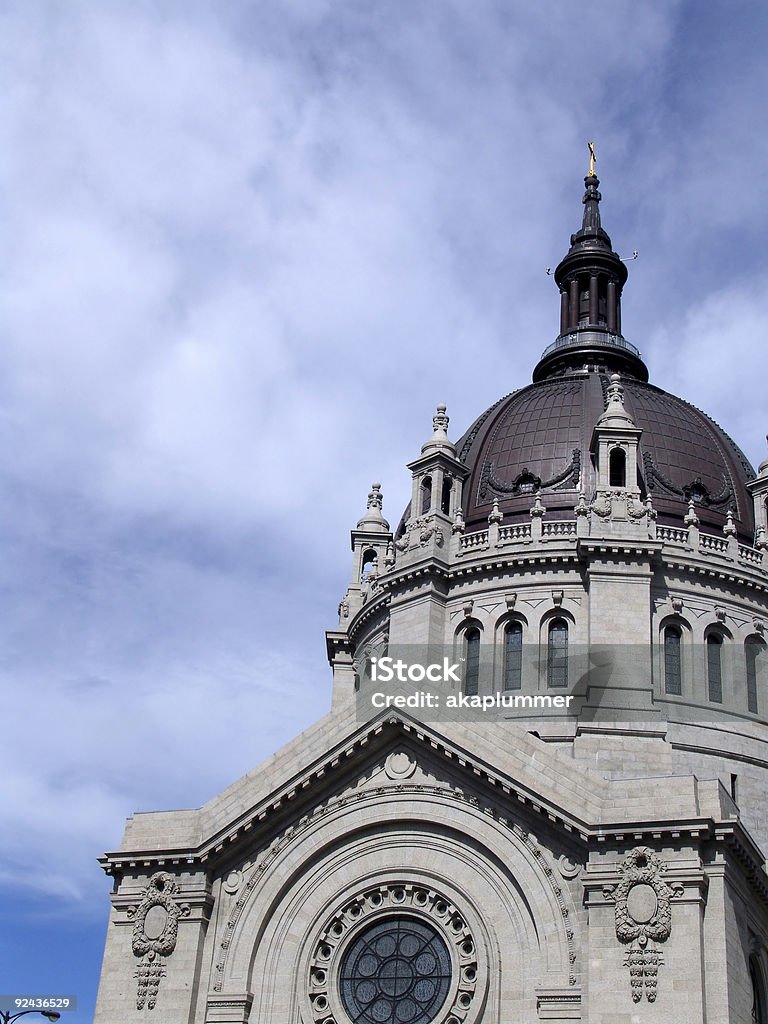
{"x":526,"y":483}
{"x":696,"y":492}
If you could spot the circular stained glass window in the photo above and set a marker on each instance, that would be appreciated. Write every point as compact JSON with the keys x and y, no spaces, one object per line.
{"x":397,"y":971}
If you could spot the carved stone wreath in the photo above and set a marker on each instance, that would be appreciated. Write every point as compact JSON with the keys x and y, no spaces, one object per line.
{"x":400,"y":898}
{"x":643,"y":916}
{"x":155,"y":930}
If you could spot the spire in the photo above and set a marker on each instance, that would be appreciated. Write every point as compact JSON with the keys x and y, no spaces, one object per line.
{"x":590,"y":277}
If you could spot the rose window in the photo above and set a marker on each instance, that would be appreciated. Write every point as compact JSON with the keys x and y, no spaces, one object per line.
{"x":397,"y":971}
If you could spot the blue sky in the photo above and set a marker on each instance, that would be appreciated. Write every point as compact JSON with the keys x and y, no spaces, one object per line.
{"x":248,"y":247}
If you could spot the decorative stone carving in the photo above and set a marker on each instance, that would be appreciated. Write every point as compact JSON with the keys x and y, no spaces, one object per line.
{"x":232,"y":882}
{"x":389,"y":557}
{"x":643,"y":917}
{"x":427,"y":532}
{"x":417,"y":901}
{"x":527,"y":482}
{"x":582,"y":508}
{"x":695,"y":491}
{"x":602,"y":508}
{"x":419,"y":532}
{"x":399,"y":766}
{"x":155,"y":929}
{"x":730,"y":527}
{"x":537,"y":510}
{"x":638,"y":510}
{"x":495,"y":515}
{"x":690,"y":518}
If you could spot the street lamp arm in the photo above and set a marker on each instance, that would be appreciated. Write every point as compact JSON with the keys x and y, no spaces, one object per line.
{"x":6,"y":1017}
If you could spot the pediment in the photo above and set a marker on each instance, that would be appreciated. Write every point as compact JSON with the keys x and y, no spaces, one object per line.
{"x":492,"y":763}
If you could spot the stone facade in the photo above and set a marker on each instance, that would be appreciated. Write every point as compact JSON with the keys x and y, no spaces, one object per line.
{"x":600,"y":862}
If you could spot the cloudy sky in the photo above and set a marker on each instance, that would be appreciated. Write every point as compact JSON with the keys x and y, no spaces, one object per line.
{"x":247,"y":247}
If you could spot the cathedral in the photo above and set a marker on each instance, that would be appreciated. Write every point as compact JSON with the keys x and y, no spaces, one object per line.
{"x":539,"y":794}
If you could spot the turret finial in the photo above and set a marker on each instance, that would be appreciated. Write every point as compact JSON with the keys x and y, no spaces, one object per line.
{"x":439,"y":439}
{"x":592,"y":158}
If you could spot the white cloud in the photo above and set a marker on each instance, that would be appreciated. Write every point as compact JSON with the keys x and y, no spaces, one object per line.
{"x":253,"y":245}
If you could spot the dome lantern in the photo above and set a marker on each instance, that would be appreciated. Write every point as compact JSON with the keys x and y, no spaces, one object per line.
{"x":590,"y":277}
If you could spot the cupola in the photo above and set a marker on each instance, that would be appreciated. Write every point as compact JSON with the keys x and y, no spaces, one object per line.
{"x":591,"y":277}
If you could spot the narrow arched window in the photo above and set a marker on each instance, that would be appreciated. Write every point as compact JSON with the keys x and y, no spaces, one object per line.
{"x":754,"y":651}
{"x":513,"y":656}
{"x":557,"y":653}
{"x":370,"y":566}
{"x":426,"y":494}
{"x":673,"y":676}
{"x":445,"y":498}
{"x":715,"y":667}
{"x":617,"y":468}
{"x":471,"y":661}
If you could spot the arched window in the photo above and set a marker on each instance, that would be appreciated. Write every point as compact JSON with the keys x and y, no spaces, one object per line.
{"x":471,"y":660}
{"x":426,"y":495}
{"x":557,"y":653}
{"x":673,"y":676}
{"x":370,"y":566}
{"x":617,"y":468}
{"x":513,"y":656}
{"x":754,"y":649}
{"x":715,"y":667}
{"x":445,"y":499}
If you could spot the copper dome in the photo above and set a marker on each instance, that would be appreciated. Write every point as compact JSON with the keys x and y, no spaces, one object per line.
{"x":539,"y":439}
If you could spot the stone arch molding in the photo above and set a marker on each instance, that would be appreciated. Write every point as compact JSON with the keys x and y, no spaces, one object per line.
{"x":377,"y":903}
{"x":324,"y":862}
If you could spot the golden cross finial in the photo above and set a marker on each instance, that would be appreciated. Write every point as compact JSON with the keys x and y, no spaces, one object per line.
{"x":591,"y":147}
